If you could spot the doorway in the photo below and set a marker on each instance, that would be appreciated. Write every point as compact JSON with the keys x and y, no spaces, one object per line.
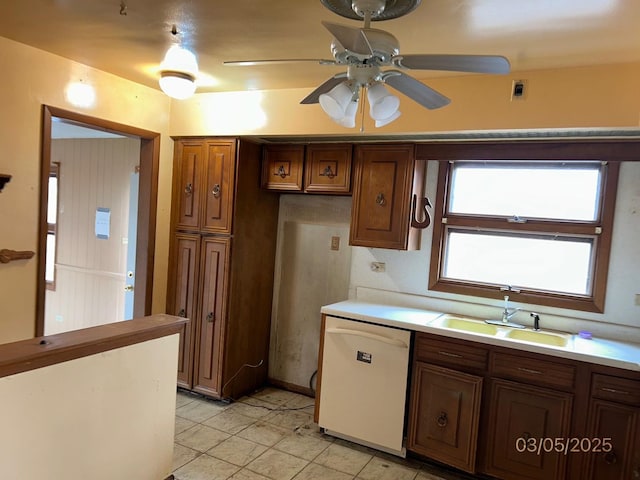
{"x":113,"y":224}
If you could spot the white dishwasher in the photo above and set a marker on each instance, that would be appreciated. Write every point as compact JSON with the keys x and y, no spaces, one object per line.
{"x":364,"y":383}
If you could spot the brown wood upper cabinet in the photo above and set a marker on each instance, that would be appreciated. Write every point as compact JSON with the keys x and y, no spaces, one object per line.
{"x":205,"y":179}
{"x":282,"y":167}
{"x":314,"y":168}
{"x":386,"y":177}
{"x":328,"y":168}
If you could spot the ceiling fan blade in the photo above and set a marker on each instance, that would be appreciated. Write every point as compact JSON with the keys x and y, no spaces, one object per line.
{"x":314,"y":96}
{"x":417,"y":91}
{"x":249,"y":63}
{"x":352,"y":39}
{"x":456,"y":63}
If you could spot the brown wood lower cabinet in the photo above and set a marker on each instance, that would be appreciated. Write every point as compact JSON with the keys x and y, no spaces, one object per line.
{"x":509,"y":413}
{"x":445,"y":409}
{"x":524,"y":422}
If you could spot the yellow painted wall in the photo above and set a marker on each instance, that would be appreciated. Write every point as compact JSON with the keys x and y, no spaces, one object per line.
{"x":32,"y":78}
{"x":586,"y":97}
{"x":589,"y":97}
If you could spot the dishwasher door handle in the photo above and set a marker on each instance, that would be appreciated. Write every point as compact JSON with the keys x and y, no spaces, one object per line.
{"x":373,"y":336}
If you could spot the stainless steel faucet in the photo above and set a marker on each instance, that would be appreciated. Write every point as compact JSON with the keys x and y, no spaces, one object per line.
{"x":507,"y":314}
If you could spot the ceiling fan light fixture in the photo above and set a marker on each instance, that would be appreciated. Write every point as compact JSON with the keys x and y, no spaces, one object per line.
{"x":388,"y":120}
{"x":382,"y":104}
{"x":336,"y":102}
{"x":178,"y":73}
{"x":349,"y":119}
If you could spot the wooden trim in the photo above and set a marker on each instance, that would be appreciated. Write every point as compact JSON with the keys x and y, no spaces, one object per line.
{"x":147,"y":205}
{"x":4,"y":179}
{"x":292,"y":387}
{"x":316,"y":410}
{"x":26,"y":355}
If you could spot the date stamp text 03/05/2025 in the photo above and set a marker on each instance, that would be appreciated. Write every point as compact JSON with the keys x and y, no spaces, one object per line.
{"x":563,"y":445}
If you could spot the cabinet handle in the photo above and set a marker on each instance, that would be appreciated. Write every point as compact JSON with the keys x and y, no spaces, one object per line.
{"x":281,"y":172}
{"x":610,"y":458}
{"x":188,"y":189}
{"x":210,"y":317}
{"x":182,"y":313}
{"x":529,"y":370}
{"x":613,"y":390}
{"x":449,"y":354}
{"x":327,"y":172}
{"x":380,"y":200}
{"x":216,"y":190}
{"x":442,"y":419}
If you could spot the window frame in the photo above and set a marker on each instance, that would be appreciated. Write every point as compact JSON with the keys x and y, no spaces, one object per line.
{"x":52,"y":228}
{"x":609,"y":152}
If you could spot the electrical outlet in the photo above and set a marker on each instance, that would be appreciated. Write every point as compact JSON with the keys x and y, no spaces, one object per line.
{"x":518,"y":90}
{"x":335,"y":243}
{"x":378,"y":267}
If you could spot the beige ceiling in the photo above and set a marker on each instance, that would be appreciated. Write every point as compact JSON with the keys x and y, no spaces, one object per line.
{"x":532,"y":34}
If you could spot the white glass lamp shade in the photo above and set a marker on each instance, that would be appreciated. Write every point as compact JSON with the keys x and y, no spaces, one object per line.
{"x":178,"y":73}
{"x":388,"y":120}
{"x":349,"y":119}
{"x":382,"y":104}
{"x":336,"y":101}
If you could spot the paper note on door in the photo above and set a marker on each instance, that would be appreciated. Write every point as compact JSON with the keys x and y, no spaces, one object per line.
{"x":103,"y":220}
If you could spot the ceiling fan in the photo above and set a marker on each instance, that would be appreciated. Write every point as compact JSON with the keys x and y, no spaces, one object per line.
{"x":372,"y":59}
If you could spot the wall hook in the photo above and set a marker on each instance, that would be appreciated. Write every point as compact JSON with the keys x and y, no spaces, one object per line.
{"x":414,"y":212}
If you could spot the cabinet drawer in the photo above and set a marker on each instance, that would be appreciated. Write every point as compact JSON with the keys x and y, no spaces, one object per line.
{"x":616,"y":389}
{"x":282,"y":167}
{"x":533,"y":370}
{"x":431,"y":350}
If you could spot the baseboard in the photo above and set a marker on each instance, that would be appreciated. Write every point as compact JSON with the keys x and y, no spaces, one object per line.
{"x":292,"y":387}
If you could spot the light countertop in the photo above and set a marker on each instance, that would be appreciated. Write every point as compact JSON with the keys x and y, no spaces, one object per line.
{"x":599,"y":351}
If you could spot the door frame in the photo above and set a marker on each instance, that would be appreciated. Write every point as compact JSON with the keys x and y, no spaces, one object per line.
{"x":147,"y":205}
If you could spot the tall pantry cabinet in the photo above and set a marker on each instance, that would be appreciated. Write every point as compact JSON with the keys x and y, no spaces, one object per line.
{"x":221,"y":264}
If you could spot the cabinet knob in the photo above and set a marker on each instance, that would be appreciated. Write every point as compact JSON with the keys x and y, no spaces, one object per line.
{"x":442,"y":419}
{"x":281,"y":171}
{"x":327,"y":172}
{"x":188,"y":189}
{"x":216,"y":190}
{"x":182,"y":313}
{"x":610,"y":458}
{"x":210,"y":317}
{"x":380,"y":200}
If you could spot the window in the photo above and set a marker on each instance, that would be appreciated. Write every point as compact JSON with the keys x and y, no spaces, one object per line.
{"x":536,"y":229}
{"x":52,"y":221}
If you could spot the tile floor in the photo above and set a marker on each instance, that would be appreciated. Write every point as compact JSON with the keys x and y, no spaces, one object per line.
{"x":270,"y":435}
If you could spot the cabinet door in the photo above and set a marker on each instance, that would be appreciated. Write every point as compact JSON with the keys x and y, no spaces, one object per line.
{"x":211,"y":320}
{"x":521,"y":417}
{"x":328,"y":169}
{"x":620,"y":425}
{"x":383,"y":185}
{"x":189,"y":165}
{"x":183,"y":277}
{"x":282,"y":167}
{"x":219,"y":187}
{"x":444,"y":415}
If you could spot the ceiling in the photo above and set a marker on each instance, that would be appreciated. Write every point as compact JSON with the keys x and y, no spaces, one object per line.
{"x":532,"y":34}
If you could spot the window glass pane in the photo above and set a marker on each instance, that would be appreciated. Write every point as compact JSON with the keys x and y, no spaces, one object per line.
{"x":51,"y":258}
{"x":527,"y":261}
{"x":52,"y":202}
{"x":548,"y":191}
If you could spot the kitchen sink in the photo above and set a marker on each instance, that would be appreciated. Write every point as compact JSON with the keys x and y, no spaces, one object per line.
{"x":466,"y":324}
{"x":544,"y":338}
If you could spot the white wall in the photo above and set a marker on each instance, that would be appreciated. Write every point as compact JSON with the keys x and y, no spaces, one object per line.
{"x":102,"y":417}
